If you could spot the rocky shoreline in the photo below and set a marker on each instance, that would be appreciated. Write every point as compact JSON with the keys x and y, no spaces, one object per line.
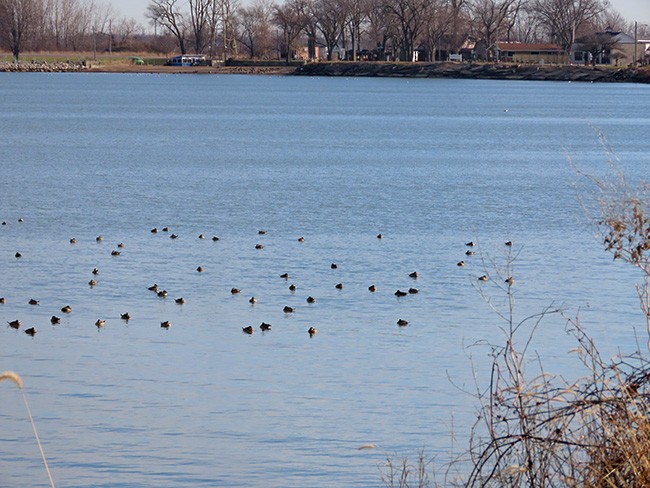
{"x":368,"y":69}
{"x":478,"y":71}
{"x":42,"y":67}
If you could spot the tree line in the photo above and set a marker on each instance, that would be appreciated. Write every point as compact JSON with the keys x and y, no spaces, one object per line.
{"x":267,"y":29}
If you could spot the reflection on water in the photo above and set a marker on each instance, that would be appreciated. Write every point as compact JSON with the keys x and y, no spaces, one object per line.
{"x":430,"y":164}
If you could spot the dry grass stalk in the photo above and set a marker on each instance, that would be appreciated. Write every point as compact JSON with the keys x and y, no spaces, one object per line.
{"x":11,"y":376}
{"x":621,"y":213}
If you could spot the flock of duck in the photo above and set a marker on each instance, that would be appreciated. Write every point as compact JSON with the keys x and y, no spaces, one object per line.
{"x":248,"y":330}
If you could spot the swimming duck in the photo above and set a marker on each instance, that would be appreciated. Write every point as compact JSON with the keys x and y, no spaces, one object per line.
{"x":162,"y":293}
{"x":14,"y":324}
{"x":311,"y":299}
{"x":173,"y":236}
{"x":21,"y":220}
{"x":380,"y":236}
{"x":252,"y":300}
{"x":180,"y":301}
{"x":120,"y":245}
{"x":301,"y":239}
{"x":99,"y":238}
{"x":483,"y":278}
{"x":18,"y":255}
{"x":153,"y":287}
{"x":333,"y":266}
{"x":413,"y":275}
{"x":100,"y":323}
{"x":166,"y":324}
{"x":469,"y":253}
{"x":339,"y":286}
{"x":215,"y":238}
{"x":115,"y":253}
{"x":73,"y":241}
{"x":2,"y":300}
{"x":55,"y":320}
{"x":259,"y":246}
{"x":165,"y":229}
{"x":154,"y":230}
{"x":471,"y":244}
{"x":234,"y":291}
{"x":201,"y":236}
{"x":33,"y":302}
{"x":125,"y":316}
{"x":312,"y":331}
{"x":292,"y":287}
{"x":264,"y":326}
{"x":31,"y":331}
{"x":199,"y":269}
{"x":261,"y":232}
{"x":285,"y":276}
{"x":509,"y":243}
{"x":413,"y":291}
{"x":400,"y":293}
{"x":66,"y":309}
{"x":247,"y":330}
{"x":92,"y":283}
{"x":95,"y":271}
{"x":460,"y":263}
{"x":510,"y":281}
{"x":372,"y":288}
{"x":4,"y":223}
{"x":288,"y":309}
{"x":402,"y":322}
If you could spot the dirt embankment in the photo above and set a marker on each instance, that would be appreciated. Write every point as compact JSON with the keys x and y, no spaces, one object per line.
{"x":478,"y":71}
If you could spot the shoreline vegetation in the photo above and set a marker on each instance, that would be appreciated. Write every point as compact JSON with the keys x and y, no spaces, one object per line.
{"x":456,"y":70}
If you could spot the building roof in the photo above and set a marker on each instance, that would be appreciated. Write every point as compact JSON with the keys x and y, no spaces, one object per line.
{"x":527,"y":47}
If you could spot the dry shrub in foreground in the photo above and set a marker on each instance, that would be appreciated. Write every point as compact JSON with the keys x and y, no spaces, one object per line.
{"x":540,"y":430}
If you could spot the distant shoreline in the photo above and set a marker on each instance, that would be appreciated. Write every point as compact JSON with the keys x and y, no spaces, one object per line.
{"x":369,"y":69}
{"x":479,"y":71}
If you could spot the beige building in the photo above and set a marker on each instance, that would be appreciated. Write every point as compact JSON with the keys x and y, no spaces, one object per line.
{"x":611,"y":47}
{"x":537,"y":53}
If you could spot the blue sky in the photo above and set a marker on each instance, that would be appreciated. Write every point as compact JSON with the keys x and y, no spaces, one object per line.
{"x":638,"y":10}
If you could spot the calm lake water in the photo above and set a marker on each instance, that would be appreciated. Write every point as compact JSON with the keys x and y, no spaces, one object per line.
{"x":429,"y":164}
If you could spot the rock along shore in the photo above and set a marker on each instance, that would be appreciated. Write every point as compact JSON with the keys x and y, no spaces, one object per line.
{"x":42,"y":67}
{"x":369,"y":69}
{"x":478,"y":71}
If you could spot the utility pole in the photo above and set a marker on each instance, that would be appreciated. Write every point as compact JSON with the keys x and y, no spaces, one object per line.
{"x":227,"y":29}
{"x":635,"y":42}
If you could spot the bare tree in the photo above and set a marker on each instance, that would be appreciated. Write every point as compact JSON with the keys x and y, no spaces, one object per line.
{"x":290,"y":19}
{"x":69,"y":22}
{"x":439,"y":16}
{"x":199,"y":21}
{"x":494,"y":18}
{"x":330,"y":18}
{"x":562,"y":19}
{"x":459,"y":24}
{"x":254,"y":28}
{"x":525,"y":28}
{"x":409,"y":19}
{"x":381,"y":26}
{"x":167,"y":14}
{"x":355,"y":15}
{"x":17,"y":19}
